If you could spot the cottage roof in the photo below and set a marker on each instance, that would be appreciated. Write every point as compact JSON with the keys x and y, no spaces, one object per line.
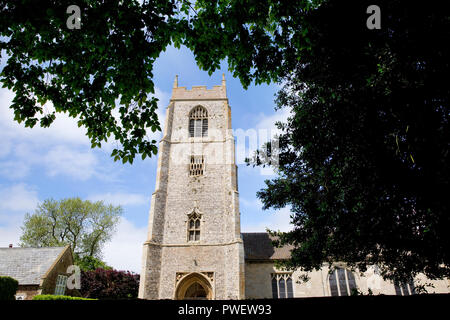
{"x":28,"y":265}
{"x":258,"y":246}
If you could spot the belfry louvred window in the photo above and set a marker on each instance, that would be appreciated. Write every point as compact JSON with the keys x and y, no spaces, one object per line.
{"x":198,"y":122}
{"x":196,"y":166}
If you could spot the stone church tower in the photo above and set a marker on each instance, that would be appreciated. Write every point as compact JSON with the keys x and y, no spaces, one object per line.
{"x":194,"y":248}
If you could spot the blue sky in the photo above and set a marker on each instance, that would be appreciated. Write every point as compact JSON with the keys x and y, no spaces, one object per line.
{"x":37,"y":164}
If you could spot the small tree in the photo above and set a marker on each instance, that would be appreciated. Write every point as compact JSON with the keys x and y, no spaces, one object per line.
{"x":85,"y":225}
{"x":89,"y":263}
{"x":109,"y":284}
{"x":8,"y":288}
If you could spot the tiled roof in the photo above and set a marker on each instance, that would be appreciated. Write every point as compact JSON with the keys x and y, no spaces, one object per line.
{"x":258,"y":246}
{"x":27,"y":265}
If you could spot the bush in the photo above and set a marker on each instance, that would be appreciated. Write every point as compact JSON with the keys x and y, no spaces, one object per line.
{"x":53,"y":297}
{"x":8,"y":288}
{"x":109,"y":284}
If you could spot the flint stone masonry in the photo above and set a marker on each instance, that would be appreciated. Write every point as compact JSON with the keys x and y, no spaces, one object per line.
{"x":213,"y":195}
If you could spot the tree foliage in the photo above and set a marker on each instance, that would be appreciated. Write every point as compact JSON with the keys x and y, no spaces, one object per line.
{"x":109,"y":284}
{"x":261,"y":40}
{"x":363,"y":158}
{"x":85,"y":225}
{"x":8,"y":288}
{"x":102,"y":74}
{"x":90,"y":263}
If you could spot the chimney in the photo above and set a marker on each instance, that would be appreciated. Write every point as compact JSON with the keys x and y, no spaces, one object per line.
{"x":10,"y":245}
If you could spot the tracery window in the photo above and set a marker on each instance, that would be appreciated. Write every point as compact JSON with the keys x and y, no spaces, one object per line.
{"x":194,"y":227}
{"x":282,"y":285}
{"x":342,"y":282}
{"x":198,"y":122}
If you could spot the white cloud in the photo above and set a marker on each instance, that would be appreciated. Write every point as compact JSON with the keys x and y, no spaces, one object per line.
{"x":53,"y":147}
{"x":277,"y":220}
{"x":63,"y":148}
{"x":76,"y":164}
{"x":252,"y":139}
{"x":124,"y":251}
{"x":121,"y":198}
{"x":15,"y":201}
{"x":10,"y":234}
{"x":163,"y":97}
{"x":251,"y":203}
{"x":18,"y":197}
{"x":267,"y":122}
{"x":259,"y":220}
{"x":63,"y":130}
{"x":14,"y":170}
{"x":5,"y":148}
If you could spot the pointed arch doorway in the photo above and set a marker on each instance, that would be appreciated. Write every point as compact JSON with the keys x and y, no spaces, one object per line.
{"x":194,"y":286}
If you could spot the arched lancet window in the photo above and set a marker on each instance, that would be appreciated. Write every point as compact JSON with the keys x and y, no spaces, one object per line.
{"x":198,"y":122}
{"x":194,"y":227}
{"x":342,"y":282}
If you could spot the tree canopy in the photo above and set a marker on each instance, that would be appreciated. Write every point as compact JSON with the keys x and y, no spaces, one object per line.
{"x":363,"y":158}
{"x":90,"y":263}
{"x":85,"y":225}
{"x":102,"y":73}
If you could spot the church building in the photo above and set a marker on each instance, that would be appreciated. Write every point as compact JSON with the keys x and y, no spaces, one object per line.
{"x":195,"y":248}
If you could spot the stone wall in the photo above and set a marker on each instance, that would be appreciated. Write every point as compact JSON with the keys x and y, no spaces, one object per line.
{"x":258,"y":282}
{"x":213,"y":195}
{"x":28,"y":291}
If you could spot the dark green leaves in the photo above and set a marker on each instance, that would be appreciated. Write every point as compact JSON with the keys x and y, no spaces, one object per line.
{"x":364,"y":158}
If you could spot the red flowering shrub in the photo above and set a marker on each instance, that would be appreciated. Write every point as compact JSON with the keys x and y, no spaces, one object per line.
{"x":109,"y":284}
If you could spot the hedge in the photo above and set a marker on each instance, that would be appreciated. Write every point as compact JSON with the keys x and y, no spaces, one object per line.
{"x":8,"y":288}
{"x":54,"y":297}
